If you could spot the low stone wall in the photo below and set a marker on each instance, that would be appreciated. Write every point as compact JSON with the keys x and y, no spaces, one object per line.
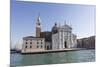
{"x":53,"y":51}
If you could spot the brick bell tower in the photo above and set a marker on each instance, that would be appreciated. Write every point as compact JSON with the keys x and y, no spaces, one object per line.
{"x":38,"y":26}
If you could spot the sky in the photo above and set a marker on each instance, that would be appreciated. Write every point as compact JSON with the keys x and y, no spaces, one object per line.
{"x":82,"y":18}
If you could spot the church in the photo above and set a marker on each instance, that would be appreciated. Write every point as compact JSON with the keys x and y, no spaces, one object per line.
{"x":63,"y":38}
{"x":59,"y":38}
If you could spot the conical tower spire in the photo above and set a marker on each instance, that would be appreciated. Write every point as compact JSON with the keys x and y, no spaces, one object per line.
{"x":38,"y":26}
{"x":38,"y":18}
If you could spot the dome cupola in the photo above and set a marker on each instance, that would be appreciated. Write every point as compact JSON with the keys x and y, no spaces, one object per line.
{"x":55,"y":29}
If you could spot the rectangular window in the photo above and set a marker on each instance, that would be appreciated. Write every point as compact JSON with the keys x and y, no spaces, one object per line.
{"x":26,"y":42}
{"x":41,"y":46}
{"x":25,"y":46}
{"x":30,"y":46}
{"x":37,"y":46}
{"x":41,"y":42}
{"x":37,"y":42}
{"x":30,"y":42}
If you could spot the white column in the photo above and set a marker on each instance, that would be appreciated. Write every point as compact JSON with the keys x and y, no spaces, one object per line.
{"x":59,"y":39}
{"x":63,"y":40}
{"x":68,"y":42}
{"x":69,"y":39}
{"x":52,"y":43}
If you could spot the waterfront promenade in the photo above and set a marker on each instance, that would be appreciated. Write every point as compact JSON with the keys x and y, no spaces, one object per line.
{"x":53,"y":51}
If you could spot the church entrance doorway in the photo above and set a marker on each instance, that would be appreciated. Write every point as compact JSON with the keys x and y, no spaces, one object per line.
{"x":65,"y":44}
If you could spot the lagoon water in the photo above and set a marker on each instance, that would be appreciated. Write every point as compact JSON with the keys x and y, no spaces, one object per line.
{"x":52,"y":58}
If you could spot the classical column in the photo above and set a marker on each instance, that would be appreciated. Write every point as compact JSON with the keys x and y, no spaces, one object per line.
{"x":69,"y":39}
{"x":59,"y":39}
{"x":68,"y":42}
{"x":63,"y":40}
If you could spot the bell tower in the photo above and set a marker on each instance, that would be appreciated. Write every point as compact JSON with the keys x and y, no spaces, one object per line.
{"x":38,"y":26}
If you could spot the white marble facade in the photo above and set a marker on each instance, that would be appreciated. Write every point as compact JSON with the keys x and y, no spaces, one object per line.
{"x":63,"y":38}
